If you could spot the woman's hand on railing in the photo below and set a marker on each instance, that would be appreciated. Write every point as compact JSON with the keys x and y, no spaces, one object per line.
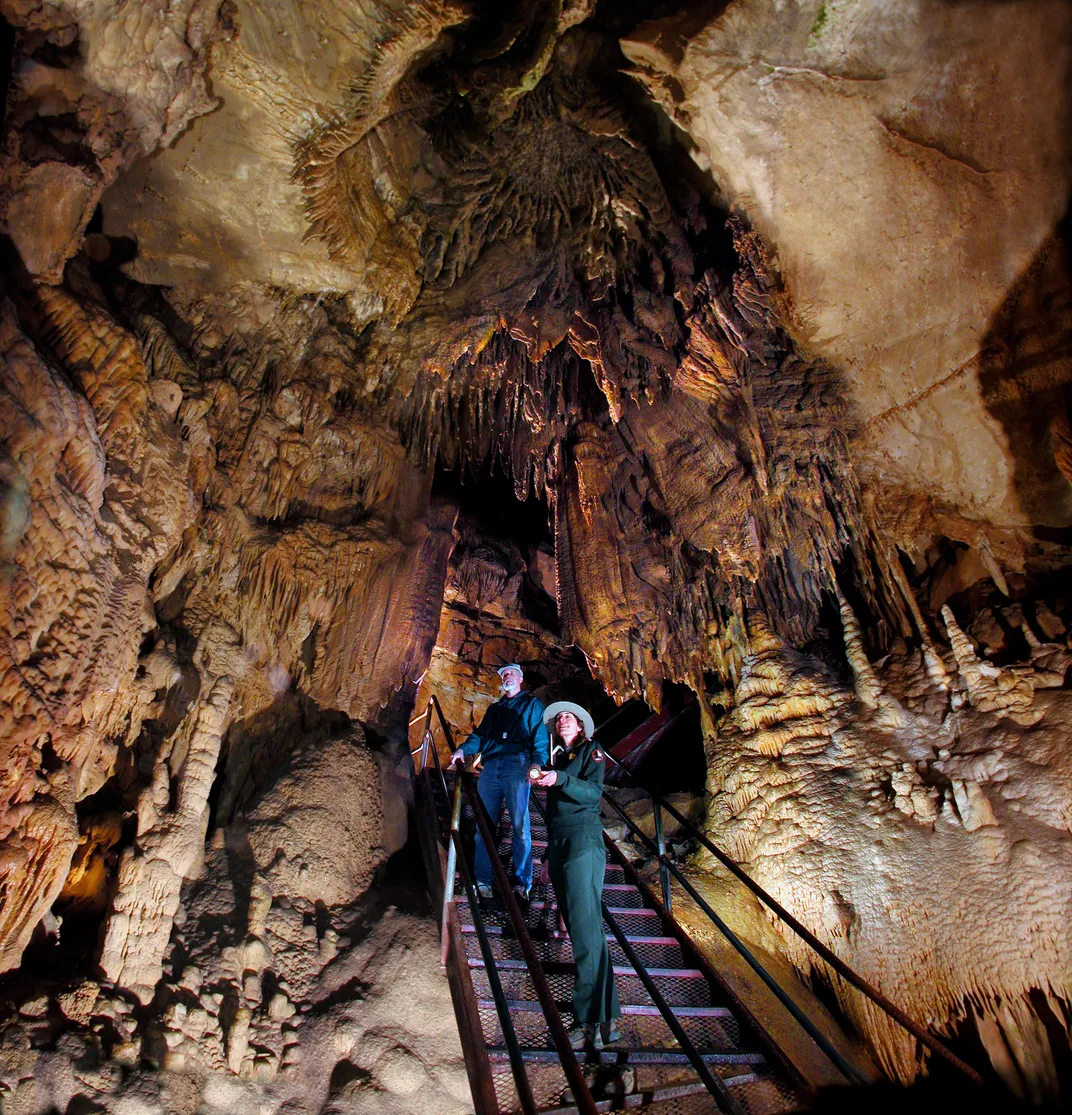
{"x":545,"y":779}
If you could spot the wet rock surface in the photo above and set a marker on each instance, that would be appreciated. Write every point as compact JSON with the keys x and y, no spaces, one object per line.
{"x":790,"y":398}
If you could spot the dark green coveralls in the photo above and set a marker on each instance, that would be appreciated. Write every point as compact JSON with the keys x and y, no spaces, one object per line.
{"x":576,"y":861}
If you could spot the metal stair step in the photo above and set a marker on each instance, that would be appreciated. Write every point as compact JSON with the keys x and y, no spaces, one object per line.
{"x":679,"y":986}
{"x":646,"y":1080}
{"x":640,"y":1010}
{"x":650,"y":1084}
{"x":615,"y":890}
{"x":622,"y":1057}
{"x":660,"y":952}
{"x":618,"y":896}
{"x":711,"y":1029}
{"x":634,"y":922}
{"x":670,"y":1097}
{"x":632,"y":938}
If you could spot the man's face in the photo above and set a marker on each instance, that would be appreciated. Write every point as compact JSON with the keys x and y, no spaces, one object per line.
{"x":511,"y":679}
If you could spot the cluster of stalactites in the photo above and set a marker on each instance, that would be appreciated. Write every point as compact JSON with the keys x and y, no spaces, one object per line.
{"x":500,"y":410}
{"x":704,"y":485}
{"x":527,"y":208}
{"x":724,"y":506}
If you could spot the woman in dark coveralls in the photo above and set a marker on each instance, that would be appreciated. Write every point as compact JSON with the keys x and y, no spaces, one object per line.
{"x":576,"y":860}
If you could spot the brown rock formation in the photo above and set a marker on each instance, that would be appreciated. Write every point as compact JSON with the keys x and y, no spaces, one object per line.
{"x":318,"y":833}
{"x":900,"y":209}
{"x":488,"y":620}
{"x":81,"y":116}
{"x":800,"y":422}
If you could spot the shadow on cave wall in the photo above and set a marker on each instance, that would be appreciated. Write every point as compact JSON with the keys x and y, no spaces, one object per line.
{"x":1025,"y":377}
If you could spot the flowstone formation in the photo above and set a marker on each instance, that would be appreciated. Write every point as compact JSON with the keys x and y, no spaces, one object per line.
{"x":351,"y":262}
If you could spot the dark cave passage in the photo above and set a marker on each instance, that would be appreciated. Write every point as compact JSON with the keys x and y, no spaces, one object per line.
{"x":712,"y":361}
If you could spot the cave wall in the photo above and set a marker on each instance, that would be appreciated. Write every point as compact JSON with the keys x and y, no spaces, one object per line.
{"x":265,"y":591}
{"x":194,"y":569}
{"x":96,"y":497}
{"x":498,"y":607}
{"x":907,"y":163}
{"x":781,"y":420}
{"x":96,"y":86}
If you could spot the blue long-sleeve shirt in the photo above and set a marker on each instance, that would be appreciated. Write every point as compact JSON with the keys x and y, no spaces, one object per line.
{"x":512,"y":726}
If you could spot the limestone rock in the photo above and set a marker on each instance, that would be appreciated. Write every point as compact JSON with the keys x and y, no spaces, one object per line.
{"x":851,"y":135}
{"x":135,"y":82}
{"x":396,"y":960}
{"x":151,"y":873}
{"x":794,"y":831}
{"x":488,"y":619}
{"x":317,"y":833}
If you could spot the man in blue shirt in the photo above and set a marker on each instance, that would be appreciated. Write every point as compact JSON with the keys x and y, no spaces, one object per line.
{"x":510,"y":739}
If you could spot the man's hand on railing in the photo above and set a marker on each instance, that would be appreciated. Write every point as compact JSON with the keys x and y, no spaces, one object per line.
{"x":460,"y":761}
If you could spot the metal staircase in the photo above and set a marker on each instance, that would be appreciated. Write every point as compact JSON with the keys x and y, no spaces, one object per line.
{"x":689,"y":1043}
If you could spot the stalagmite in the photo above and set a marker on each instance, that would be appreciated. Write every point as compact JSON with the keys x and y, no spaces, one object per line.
{"x":868,"y":688}
{"x":350,"y":351}
{"x":990,"y":688}
{"x":152,"y":873}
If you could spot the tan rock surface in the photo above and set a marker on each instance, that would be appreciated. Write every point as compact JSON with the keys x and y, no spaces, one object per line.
{"x":484,"y":625}
{"x":134,"y":83}
{"x":288,"y":69}
{"x":318,"y":833}
{"x":168,"y":849}
{"x":906,"y":162}
{"x":831,"y":806}
{"x":76,"y":589}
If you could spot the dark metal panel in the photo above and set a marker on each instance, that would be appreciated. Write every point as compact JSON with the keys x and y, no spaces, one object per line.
{"x":477,"y":1062}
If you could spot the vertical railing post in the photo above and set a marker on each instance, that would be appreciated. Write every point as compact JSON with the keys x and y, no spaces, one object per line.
{"x":426,"y":742}
{"x":660,"y":843}
{"x":452,"y":864}
{"x":502,"y":1007}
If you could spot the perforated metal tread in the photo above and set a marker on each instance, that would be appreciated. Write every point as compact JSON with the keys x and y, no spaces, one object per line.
{"x":709,"y":1033}
{"x":647,"y":1069}
{"x":679,"y":986}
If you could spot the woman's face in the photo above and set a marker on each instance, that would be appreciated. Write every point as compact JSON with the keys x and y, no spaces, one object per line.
{"x":567,"y":726}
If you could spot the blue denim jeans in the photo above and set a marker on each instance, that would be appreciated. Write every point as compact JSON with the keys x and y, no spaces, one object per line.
{"x":505,"y":779}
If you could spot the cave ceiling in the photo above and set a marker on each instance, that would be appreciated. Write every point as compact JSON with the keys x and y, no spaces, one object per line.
{"x":379,"y":155}
{"x":769,"y":304}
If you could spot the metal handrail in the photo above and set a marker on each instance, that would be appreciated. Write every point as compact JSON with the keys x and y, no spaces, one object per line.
{"x":572,"y":1069}
{"x":714,"y":1084}
{"x":426,"y":747}
{"x":615,"y":714}
{"x":846,"y":1068}
{"x":914,"y":1028}
{"x":456,"y":860}
{"x":502,"y":1009}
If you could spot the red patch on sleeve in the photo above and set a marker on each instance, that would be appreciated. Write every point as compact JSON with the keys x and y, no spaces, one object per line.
{"x":597,"y":755}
